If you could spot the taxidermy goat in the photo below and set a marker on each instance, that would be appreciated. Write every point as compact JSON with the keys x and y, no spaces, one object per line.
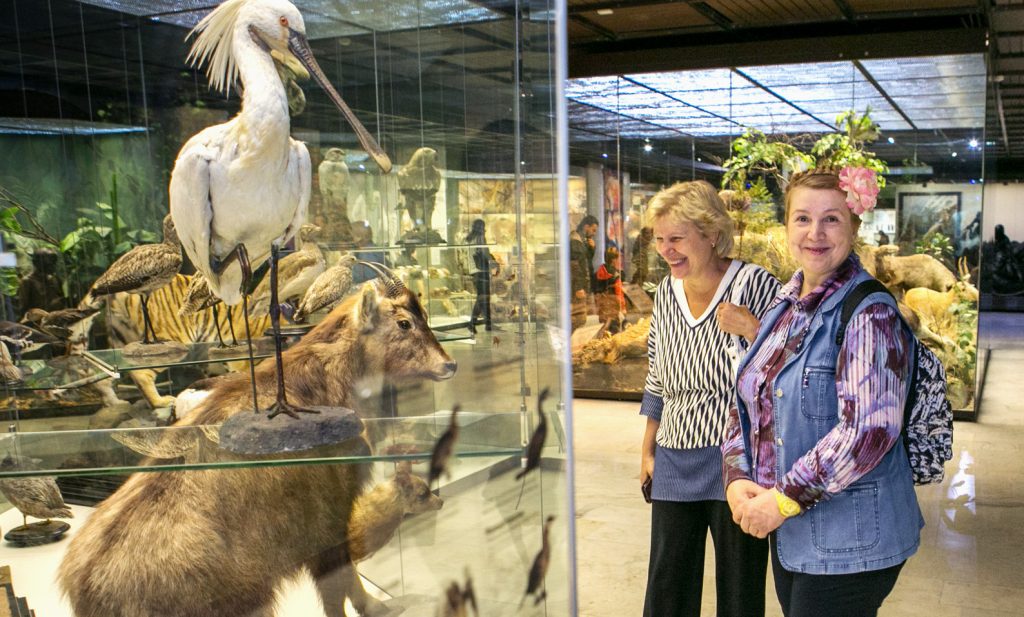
{"x":221,"y":542}
{"x":377,"y":513}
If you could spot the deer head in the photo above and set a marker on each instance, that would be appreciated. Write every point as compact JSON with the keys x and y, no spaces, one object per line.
{"x":963,"y":288}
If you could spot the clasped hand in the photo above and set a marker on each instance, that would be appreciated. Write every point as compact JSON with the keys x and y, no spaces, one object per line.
{"x":754,"y":508}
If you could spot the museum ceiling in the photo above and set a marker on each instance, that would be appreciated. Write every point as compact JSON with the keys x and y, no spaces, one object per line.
{"x":784,"y":66}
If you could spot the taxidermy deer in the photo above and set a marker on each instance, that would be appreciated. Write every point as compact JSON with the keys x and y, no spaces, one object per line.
{"x":221,"y":542}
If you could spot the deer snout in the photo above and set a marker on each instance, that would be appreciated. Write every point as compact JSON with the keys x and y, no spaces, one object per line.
{"x":449,"y":369}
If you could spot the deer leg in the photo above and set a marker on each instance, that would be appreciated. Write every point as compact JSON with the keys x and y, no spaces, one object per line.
{"x":281,"y":405}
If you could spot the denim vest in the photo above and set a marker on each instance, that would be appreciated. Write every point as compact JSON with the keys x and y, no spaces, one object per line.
{"x":875,"y":522}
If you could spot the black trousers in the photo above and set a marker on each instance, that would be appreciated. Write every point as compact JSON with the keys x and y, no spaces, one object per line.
{"x":835,"y":595}
{"x":675,"y":577}
{"x":482,"y":306}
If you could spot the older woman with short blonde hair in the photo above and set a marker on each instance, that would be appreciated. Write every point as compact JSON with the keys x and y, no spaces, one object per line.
{"x":701,"y":311}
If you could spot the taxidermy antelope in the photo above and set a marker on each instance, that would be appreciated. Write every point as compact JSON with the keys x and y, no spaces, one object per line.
{"x":220,"y":542}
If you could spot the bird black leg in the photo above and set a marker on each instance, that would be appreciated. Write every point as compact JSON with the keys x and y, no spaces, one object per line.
{"x":281,"y":405}
{"x":231,"y":326}
{"x":216,"y":326}
{"x":147,"y":327}
{"x":239,"y":253}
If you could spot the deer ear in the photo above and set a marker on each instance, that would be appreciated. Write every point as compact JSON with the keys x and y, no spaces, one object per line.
{"x":369,"y":308}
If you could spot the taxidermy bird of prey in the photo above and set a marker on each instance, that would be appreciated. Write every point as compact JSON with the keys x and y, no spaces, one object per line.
{"x":332,"y":175}
{"x":443,"y":449}
{"x":36,"y":496}
{"x":141,"y":271}
{"x":420,"y":173}
{"x":328,"y":289}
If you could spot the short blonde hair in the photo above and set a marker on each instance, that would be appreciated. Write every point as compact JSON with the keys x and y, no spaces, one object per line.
{"x":697,"y":203}
{"x":820,"y":180}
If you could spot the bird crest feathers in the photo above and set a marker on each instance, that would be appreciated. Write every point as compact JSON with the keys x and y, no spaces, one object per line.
{"x":214,"y":39}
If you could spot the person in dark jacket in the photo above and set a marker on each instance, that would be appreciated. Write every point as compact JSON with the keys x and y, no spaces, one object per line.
{"x":483,"y":263}
{"x":581,"y":268}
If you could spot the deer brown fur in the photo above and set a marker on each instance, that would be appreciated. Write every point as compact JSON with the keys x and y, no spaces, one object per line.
{"x":220,"y":542}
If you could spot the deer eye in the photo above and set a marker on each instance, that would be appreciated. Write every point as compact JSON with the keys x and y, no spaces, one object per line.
{"x":283,"y":21}
{"x":404,"y":324}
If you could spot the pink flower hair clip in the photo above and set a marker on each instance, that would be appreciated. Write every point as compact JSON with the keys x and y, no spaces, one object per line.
{"x":861,"y":186}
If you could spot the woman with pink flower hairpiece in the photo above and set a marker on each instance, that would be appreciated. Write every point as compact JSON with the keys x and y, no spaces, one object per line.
{"x":812,"y":456}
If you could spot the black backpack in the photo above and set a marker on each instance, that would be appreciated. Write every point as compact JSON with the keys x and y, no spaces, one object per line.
{"x":927,"y":416}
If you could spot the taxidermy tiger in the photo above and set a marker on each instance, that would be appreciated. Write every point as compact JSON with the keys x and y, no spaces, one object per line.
{"x":124,"y":317}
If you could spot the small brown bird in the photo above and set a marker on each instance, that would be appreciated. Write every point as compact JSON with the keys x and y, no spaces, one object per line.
{"x":535,"y":582}
{"x":69,"y":325}
{"x":143,"y":270}
{"x":443,"y":449}
{"x":36,"y":496}
{"x":199,"y":297}
{"x":295,"y":272}
{"x":328,"y":289}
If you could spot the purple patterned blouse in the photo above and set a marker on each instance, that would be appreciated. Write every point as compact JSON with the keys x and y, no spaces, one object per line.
{"x":871,"y":388}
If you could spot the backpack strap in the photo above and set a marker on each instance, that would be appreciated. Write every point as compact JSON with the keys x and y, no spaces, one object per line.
{"x":853,"y":300}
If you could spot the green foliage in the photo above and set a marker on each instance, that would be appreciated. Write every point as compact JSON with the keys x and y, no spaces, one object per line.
{"x":937,"y":245}
{"x":755,"y":156}
{"x":838,"y":150}
{"x":100,"y":237}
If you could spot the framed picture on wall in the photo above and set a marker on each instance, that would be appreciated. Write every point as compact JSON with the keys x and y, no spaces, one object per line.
{"x":919,"y":214}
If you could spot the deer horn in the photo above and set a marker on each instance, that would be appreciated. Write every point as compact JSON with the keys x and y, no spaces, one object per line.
{"x":964,"y":271}
{"x":393,"y":285}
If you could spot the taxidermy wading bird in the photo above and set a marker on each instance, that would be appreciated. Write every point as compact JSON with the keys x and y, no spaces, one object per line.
{"x":328,"y":289}
{"x":142,"y":270}
{"x":239,"y":190}
{"x":295,"y":272}
{"x":19,"y":338}
{"x":198,"y":297}
{"x":536,"y":445}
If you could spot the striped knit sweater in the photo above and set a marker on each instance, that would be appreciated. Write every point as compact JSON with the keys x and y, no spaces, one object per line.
{"x":690,"y":383}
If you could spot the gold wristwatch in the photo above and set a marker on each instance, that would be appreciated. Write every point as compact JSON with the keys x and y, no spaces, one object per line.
{"x":787,"y":507}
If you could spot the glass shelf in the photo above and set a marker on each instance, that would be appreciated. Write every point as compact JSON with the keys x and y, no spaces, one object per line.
{"x":175,"y":448}
{"x":58,"y":373}
{"x":116,"y":361}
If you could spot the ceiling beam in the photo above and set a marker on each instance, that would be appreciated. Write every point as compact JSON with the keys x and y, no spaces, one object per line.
{"x":593,"y":7}
{"x":679,"y":100}
{"x":709,"y":12}
{"x":845,"y":9}
{"x":782,"y":98}
{"x":822,"y":42}
{"x":597,"y":29}
{"x":871,"y":79}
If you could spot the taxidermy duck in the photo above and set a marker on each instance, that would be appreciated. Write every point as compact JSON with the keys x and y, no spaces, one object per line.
{"x":141,"y":271}
{"x":240,"y":190}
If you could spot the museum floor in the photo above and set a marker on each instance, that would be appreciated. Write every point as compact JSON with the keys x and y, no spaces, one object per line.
{"x":970,"y":559}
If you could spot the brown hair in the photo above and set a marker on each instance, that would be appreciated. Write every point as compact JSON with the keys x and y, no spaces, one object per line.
{"x":698,"y":203}
{"x":819,"y":180}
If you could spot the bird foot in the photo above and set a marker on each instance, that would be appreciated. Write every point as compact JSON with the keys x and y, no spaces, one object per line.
{"x":284,"y":407}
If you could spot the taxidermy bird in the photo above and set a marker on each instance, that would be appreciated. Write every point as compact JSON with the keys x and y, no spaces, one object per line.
{"x":295,"y":272}
{"x":332,"y":176}
{"x":540,"y":433}
{"x":535,"y":582}
{"x":418,"y":182}
{"x":9,"y":374}
{"x":141,"y":271}
{"x":36,"y":496}
{"x":328,"y":289}
{"x":19,"y":338}
{"x":443,"y":449}
{"x":456,"y":599}
{"x":199,"y":297}
{"x":239,"y":190}
{"x":69,"y":325}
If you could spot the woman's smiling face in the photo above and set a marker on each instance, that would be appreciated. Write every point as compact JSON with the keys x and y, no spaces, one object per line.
{"x":820,"y":232}
{"x":681,"y":244}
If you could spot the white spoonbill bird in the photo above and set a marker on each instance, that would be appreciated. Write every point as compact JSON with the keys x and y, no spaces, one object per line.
{"x":240,"y":190}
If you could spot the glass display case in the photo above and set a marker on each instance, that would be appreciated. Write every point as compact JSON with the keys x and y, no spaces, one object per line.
{"x":438,"y":375}
{"x":923,"y":240}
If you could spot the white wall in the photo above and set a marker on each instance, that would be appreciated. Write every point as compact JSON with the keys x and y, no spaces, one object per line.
{"x":1004,"y":204}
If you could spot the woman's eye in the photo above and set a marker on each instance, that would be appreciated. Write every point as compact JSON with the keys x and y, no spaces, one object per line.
{"x":404,"y":324}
